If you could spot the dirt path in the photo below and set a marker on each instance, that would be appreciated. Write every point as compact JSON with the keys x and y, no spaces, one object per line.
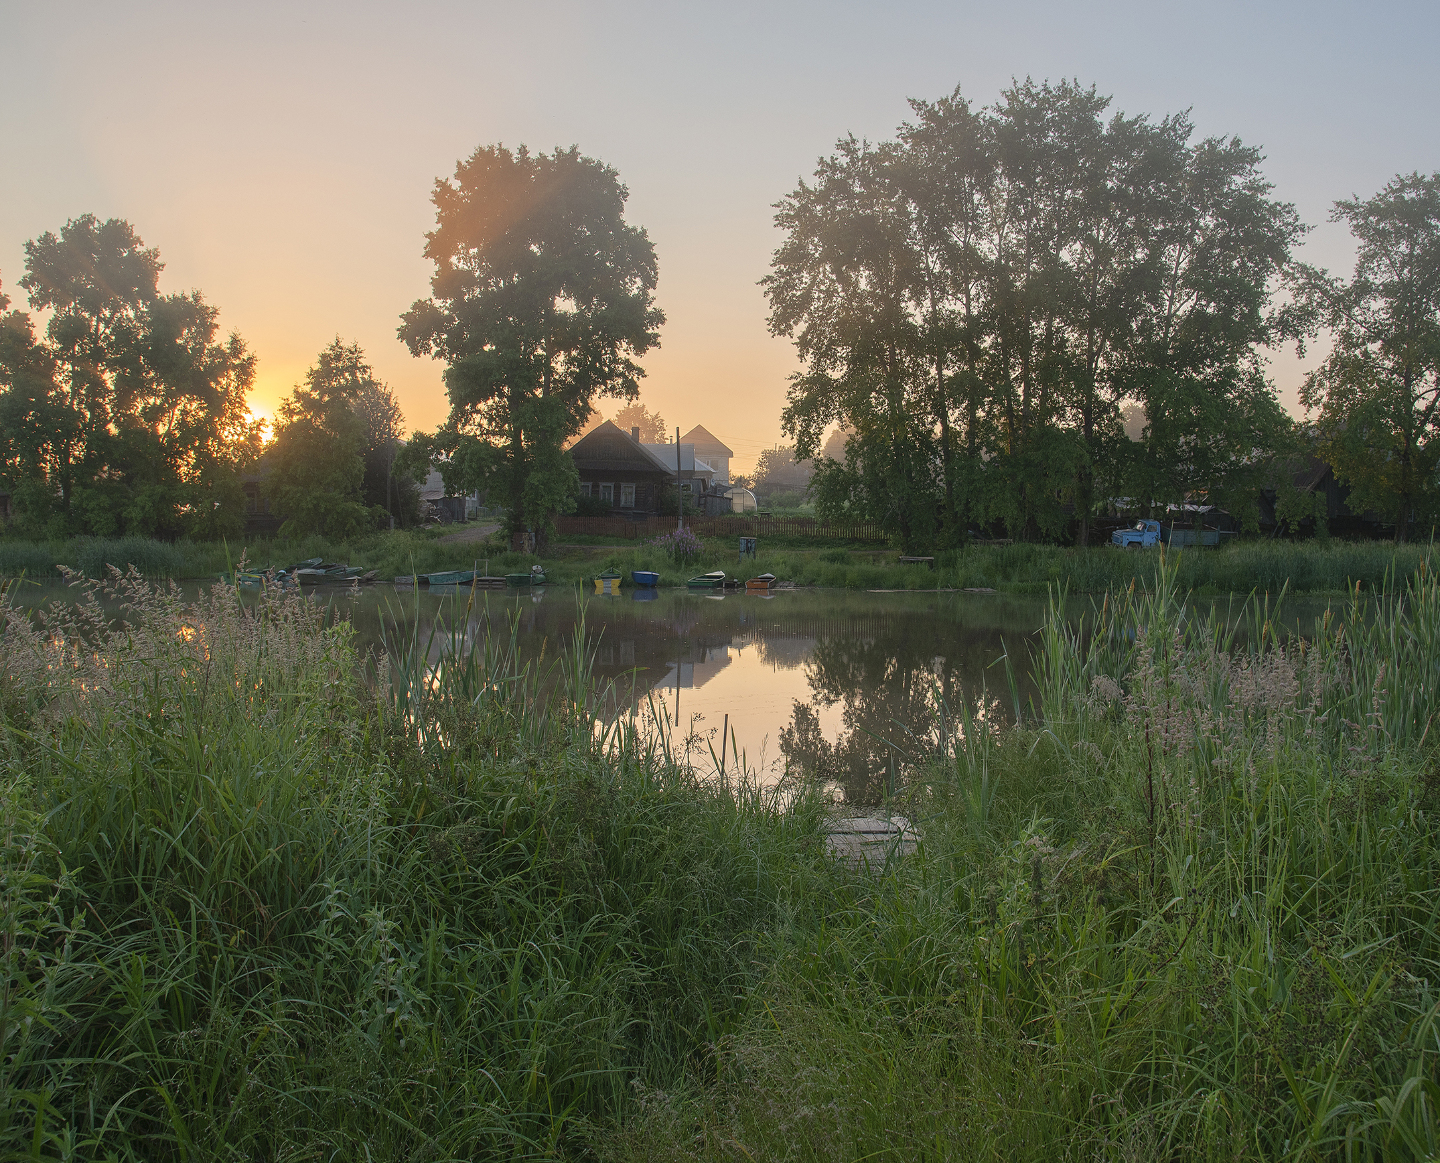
{"x":471,"y":533}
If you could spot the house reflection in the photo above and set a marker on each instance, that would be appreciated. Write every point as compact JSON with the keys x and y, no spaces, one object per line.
{"x":828,"y":683}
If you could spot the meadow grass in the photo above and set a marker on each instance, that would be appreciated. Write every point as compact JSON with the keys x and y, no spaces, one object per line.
{"x":1329,"y":566}
{"x":266,"y":899}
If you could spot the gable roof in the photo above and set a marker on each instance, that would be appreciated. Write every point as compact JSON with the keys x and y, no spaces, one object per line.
{"x":706,"y":443}
{"x":607,"y":448}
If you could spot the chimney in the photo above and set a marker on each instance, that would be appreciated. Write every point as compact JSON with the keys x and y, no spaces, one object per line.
{"x":635,"y":435}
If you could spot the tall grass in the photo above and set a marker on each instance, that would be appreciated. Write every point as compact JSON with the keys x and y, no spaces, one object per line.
{"x":257,"y":908}
{"x":1187,"y":911}
{"x":266,"y":899}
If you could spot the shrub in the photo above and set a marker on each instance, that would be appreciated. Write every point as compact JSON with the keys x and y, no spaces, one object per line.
{"x":681,"y":547}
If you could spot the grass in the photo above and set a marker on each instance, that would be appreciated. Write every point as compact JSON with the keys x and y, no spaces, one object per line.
{"x":1267,"y":566}
{"x":266,"y":899}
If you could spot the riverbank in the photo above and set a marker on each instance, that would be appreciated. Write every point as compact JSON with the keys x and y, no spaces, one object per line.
{"x":1331,"y":566}
{"x":260,"y":905}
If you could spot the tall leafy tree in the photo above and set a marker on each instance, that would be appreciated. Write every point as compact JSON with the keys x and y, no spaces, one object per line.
{"x":637,"y":415}
{"x":129,"y":414}
{"x":542,"y":300}
{"x":1377,"y":395}
{"x":323,"y":433}
{"x":980,"y":298}
{"x":844,"y":284}
{"x":1220,"y":247}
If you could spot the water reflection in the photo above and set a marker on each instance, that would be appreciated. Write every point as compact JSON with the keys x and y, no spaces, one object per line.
{"x":823,"y":682}
{"x":826,"y":682}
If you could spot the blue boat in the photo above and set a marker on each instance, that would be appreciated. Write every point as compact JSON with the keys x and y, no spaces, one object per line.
{"x":644,"y":577}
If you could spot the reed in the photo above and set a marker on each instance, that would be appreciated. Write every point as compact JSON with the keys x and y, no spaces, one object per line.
{"x":264,"y":898}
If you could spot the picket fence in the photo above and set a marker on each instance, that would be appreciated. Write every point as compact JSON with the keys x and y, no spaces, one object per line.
{"x":751,"y":525}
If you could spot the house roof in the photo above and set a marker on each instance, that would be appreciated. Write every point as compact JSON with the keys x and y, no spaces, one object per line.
{"x":665,"y":457}
{"x":607,"y":448}
{"x":706,"y":443}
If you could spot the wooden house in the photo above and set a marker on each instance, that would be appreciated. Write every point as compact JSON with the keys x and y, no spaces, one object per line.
{"x":616,"y":468}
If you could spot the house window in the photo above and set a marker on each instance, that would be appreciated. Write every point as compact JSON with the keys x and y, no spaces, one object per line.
{"x":627,"y":496}
{"x":607,"y":493}
{"x":584,"y":488}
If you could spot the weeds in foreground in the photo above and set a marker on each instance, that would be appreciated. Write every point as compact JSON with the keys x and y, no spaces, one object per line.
{"x":265,"y":899}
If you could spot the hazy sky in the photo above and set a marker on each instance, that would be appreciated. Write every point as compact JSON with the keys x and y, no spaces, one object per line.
{"x":281,"y":156}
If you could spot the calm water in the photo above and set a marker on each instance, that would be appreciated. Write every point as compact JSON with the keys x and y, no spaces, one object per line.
{"x":822,"y":679}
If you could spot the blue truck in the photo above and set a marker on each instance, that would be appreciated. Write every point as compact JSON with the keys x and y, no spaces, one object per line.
{"x":1141,"y":535}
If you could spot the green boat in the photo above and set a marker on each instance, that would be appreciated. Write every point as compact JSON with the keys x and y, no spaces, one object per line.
{"x":708,"y":581}
{"x":247,"y":579}
{"x":525,"y":579}
{"x":452,"y":577}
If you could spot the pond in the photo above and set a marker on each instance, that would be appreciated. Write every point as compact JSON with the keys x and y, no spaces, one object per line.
{"x":823,"y":679}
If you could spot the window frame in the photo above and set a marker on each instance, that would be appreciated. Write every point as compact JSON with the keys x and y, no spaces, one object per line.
{"x":607,"y":492}
{"x":627,"y":495}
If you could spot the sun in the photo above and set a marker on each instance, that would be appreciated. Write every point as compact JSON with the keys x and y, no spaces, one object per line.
{"x":266,"y":417}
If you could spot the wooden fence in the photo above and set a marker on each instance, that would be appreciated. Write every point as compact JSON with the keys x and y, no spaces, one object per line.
{"x":750,"y":525}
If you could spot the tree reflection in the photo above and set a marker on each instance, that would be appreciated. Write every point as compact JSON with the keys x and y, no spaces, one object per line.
{"x":898,"y":697}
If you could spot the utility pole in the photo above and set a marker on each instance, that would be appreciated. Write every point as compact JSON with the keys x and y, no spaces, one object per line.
{"x":679,"y":492}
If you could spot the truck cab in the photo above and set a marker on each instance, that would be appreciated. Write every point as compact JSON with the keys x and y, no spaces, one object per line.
{"x":1141,"y":535}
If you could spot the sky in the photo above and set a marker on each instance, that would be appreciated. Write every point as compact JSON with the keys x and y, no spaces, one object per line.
{"x":281,"y":156}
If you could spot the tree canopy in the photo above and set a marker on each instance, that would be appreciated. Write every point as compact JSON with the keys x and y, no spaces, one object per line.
{"x":637,"y":415}
{"x":1377,"y":395}
{"x":542,"y":301}
{"x":336,"y":439}
{"x":978,"y":299}
{"x":128,"y":415}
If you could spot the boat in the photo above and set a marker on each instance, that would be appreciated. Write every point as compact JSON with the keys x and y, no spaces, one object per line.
{"x":536,"y":577}
{"x":707,"y":581}
{"x":645,"y":577}
{"x":448,"y":577}
{"x":761,"y":584}
{"x":406,"y":579}
{"x":246,"y":579}
{"x":327,"y":575}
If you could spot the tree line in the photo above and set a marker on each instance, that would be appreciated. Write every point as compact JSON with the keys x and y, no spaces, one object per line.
{"x":980,"y":299}
{"x":982,"y":306}
{"x":128,"y":414}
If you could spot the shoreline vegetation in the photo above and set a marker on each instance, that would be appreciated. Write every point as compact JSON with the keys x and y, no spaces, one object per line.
{"x":265,"y":898}
{"x":1316,"y":566}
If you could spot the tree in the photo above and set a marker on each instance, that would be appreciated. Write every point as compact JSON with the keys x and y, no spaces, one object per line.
{"x":542,"y":300}
{"x":978,"y":300}
{"x":1378,"y":392}
{"x":322,"y":434}
{"x":651,"y":424}
{"x":1193,"y":362}
{"x":129,"y":416}
{"x":780,"y":477}
{"x":384,"y":485}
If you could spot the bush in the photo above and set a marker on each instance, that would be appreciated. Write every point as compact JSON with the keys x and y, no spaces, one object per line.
{"x":681,"y":546}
